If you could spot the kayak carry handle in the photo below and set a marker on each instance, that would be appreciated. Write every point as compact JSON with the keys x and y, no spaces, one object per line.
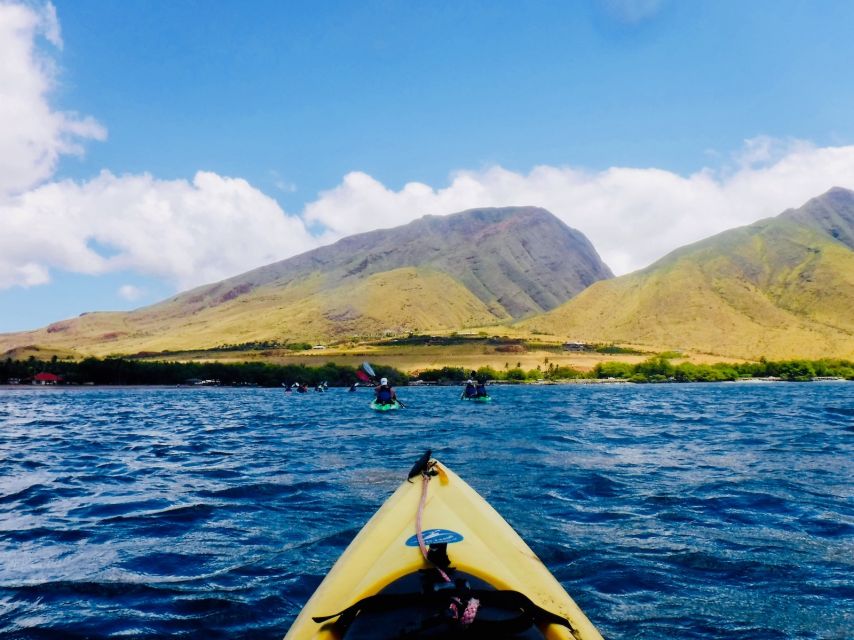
{"x":421,"y":466}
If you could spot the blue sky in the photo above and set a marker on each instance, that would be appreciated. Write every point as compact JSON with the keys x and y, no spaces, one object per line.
{"x":667,"y":120}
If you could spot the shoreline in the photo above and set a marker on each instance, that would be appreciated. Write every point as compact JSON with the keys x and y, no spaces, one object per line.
{"x":496,"y":383}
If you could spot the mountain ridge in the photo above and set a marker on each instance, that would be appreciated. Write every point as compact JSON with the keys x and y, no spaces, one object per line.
{"x":426,"y":236}
{"x":780,"y":287}
{"x":473,"y":268}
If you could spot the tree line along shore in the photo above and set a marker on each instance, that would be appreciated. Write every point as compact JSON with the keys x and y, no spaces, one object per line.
{"x":658,"y":369}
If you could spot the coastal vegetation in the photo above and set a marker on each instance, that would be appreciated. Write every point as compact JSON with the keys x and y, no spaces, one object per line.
{"x":123,"y":371}
{"x":659,"y":369}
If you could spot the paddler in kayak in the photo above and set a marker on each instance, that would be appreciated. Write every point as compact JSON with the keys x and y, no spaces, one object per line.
{"x":479,"y":386}
{"x":470,"y":391}
{"x":384,"y":393}
{"x":480,"y":389}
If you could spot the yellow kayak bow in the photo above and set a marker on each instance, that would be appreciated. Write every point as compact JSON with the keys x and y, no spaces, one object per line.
{"x":455,"y":520}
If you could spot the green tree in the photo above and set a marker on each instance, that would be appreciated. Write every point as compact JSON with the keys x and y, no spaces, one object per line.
{"x":796,"y":371}
{"x":613,"y":370}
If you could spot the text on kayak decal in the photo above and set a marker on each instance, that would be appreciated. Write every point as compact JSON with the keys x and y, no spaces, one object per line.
{"x":436,"y":536}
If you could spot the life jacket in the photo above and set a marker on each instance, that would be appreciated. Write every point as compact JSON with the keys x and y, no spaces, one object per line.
{"x":470,"y":391}
{"x":384,"y":395}
{"x":481,"y":389}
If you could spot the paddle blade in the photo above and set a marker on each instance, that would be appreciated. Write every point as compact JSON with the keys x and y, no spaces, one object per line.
{"x":368,"y":369}
{"x":361,"y":375}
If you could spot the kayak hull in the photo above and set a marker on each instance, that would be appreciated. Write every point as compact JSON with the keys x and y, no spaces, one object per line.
{"x":479,"y":399}
{"x":376,"y":406}
{"x":480,"y":543}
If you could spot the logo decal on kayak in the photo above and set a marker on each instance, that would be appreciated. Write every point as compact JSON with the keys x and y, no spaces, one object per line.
{"x":436,"y":536}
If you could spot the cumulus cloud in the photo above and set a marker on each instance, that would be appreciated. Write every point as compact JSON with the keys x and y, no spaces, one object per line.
{"x":185,"y":232}
{"x":633,"y":216}
{"x":33,"y":136}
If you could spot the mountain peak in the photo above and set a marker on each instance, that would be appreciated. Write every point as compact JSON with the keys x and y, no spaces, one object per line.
{"x":516,"y":260}
{"x":838,"y":192}
{"x":486,"y":216}
{"x":831,"y":213}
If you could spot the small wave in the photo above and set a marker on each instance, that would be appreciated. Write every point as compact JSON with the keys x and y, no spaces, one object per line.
{"x":173,"y":565}
{"x":118,"y":508}
{"x":265,"y":489}
{"x":89,"y":588}
{"x":173,"y":515}
{"x":597,"y":485}
{"x":732,"y":568}
{"x":840,"y":411}
{"x":43,"y":534}
{"x":32,"y":495}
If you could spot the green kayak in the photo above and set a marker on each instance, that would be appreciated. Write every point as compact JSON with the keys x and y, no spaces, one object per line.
{"x":479,"y":399}
{"x":376,"y":406}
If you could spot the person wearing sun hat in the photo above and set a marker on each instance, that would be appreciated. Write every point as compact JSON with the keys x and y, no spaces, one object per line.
{"x":385,"y":394}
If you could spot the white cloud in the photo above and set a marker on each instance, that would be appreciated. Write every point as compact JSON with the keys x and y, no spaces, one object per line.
{"x":33,"y":136}
{"x":187,"y":233}
{"x":130,"y":292}
{"x":215,"y":227}
{"x":632,"y":216}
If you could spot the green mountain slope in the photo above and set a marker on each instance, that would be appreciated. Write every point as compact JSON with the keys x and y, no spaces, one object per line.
{"x":782,"y":287}
{"x":469,"y":269}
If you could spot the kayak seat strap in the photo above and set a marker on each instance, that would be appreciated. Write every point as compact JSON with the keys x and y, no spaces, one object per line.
{"x":529,"y":613}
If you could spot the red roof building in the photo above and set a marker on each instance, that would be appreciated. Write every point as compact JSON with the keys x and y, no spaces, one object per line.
{"x":46,"y":378}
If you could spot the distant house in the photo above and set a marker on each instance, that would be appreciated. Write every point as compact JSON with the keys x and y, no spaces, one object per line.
{"x":575,"y":346}
{"x":319,"y":346}
{"x":46,"y":378}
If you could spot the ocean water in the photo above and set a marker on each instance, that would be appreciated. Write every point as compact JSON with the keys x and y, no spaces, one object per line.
{"x":666,"y":511}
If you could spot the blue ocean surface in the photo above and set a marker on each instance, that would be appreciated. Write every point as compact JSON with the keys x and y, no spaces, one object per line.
{"x":666,"y":511}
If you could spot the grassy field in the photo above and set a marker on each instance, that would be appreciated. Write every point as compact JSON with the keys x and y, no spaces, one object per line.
{"x":413,"y":359}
